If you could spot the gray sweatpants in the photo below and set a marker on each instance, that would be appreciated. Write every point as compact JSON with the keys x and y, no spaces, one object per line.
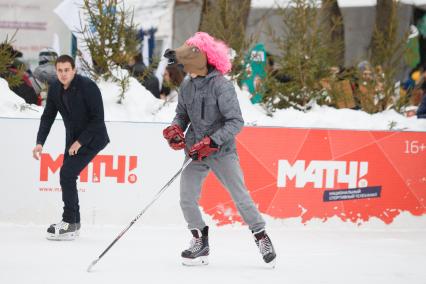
{"x":227,"y":169}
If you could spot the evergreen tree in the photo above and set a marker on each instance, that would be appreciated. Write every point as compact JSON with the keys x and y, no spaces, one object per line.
{"x":7,"y":58}
{"x":226,"y":20}
{"x":386,"y":52}
{"x":111,"y":39}
{"x":338,"y":34}
{"x":308,"y":51}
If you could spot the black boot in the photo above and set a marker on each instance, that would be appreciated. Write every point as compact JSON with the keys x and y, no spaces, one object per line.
{"x":63,"y":231}
{"x":198,"y":250}
{"x":265,"y":246}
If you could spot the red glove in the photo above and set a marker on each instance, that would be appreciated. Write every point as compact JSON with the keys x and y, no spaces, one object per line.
{"x":174,"y":136}
{"x":203,"y":149}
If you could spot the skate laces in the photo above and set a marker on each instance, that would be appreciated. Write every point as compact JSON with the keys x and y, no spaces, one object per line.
{"x":195,"y":244}
{"x":61,"y":225}
{"x":265,"y":245}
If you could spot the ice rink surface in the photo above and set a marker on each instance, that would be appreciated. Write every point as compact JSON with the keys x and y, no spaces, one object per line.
{"x":149,"y":254}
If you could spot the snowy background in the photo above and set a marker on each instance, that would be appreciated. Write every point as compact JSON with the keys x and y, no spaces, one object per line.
{"x":139,"y":105}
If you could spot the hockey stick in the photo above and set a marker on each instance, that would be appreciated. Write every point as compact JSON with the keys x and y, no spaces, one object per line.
{"x":140,"y":214}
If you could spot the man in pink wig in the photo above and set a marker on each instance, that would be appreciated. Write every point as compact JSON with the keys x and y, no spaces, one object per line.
{"x":208,"y":109}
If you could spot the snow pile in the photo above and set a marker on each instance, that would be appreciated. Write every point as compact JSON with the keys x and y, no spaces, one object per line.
{"x":342,"y":3}
{"x":138,"y":104}
{"x":327,"y":117}
{"x":141,"y":106}
{"x":12,"y":105}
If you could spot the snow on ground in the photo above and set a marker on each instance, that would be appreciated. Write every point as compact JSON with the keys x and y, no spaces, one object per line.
{"x":151,"y":255}
{"x":140,"y":105}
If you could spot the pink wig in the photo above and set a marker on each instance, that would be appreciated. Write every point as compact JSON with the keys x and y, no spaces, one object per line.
{"x":217,"y":51}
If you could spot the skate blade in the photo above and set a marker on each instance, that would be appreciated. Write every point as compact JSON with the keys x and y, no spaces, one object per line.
{"x":199,"y":261}
{"x":63,"y":237}
{"x":272,"y":263}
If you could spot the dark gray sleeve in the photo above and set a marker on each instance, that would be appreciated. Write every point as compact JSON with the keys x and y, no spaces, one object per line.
{"x":229,"y":107}
{"x":181,"y":117}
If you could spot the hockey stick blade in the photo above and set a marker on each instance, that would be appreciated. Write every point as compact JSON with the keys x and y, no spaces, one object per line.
{"x":187,"y":162}
{"x":89,"y":269}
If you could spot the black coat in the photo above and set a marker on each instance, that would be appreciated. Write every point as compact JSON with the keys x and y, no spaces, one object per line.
{"x":146,"y":78}
{"x":421,"y":111}
{"x":85,"y":120}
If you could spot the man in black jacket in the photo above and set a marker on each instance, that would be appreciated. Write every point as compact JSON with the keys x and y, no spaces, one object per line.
{"x":79,"y":102}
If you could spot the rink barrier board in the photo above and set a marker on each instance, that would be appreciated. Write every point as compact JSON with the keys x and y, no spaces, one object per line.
{"x":307,"y":174}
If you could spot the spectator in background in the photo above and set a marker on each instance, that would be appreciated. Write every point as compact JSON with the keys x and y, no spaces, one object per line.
{"x":274,"y":76}
{"x":414,"y":89}
{"x":172,"y":78}
{"x":145,"y":76}
{"x":369,"y":89}
{"x":272,"y":70}
{"x":45,"y":72}
{"x":421,"y":111}
{"x":366,"y":71}
{"x":410,"y":111}
{"x":338,"y":88}
{"x":254,"y":72}
{"x":26,"y":89}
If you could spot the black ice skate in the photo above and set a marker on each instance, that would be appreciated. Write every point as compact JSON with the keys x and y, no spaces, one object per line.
{"x":265,"y":246}
{"x":63,"y":231}
{"x":198,"y":250}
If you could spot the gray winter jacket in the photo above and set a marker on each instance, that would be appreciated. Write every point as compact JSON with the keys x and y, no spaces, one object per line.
{"x":208,"y":106}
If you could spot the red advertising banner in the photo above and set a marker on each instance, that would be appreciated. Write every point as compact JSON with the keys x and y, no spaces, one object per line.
{"x":125,"y":164}
{"x":307,"y":173}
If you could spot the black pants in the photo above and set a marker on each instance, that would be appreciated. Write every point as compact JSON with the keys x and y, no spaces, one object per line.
{"x":70,"y":170}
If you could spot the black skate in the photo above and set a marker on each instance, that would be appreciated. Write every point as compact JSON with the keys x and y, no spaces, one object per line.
{"x":265,"y":246}
{"x":198,"y":250}
{"x":63,"y":231}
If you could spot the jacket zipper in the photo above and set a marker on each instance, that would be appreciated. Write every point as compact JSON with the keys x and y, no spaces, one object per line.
{"x":202,"y":109}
